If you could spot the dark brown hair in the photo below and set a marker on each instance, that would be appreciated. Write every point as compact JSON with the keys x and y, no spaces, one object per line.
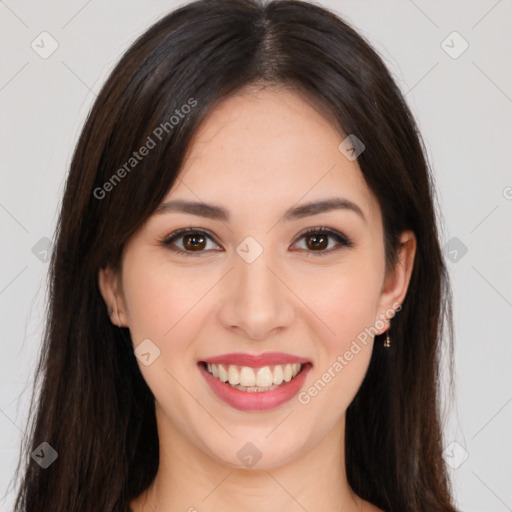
{"x":93,"y":406}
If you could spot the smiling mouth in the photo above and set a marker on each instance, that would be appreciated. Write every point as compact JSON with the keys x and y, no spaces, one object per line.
{"x":246,"y":378}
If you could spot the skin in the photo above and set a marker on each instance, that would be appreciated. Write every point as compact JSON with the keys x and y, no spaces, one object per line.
{"x":259,"y":153}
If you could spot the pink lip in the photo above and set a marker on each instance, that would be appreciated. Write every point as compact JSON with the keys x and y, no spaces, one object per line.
{"x":267,"y":359}
{"x":255,"y":401}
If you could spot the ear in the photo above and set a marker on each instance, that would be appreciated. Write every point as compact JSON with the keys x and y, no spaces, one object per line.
{"x":397,"y":279}
{"x":109,"y":282}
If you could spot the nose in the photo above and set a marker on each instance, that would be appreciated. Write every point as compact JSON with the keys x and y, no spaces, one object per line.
{"x":256,"y":301}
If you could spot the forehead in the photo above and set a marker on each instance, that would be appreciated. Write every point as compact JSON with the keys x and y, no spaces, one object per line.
{"x":266,"y":149}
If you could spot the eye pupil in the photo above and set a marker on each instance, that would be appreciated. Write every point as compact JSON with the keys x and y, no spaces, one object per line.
{"x":191,"y":241}
{"x":318,"y":241}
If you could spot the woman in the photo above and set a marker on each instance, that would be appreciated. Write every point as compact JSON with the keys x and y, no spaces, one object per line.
{"x":247,"y":290}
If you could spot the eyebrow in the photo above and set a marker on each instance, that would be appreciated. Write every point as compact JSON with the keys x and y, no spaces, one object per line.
{"x":214,"y":212}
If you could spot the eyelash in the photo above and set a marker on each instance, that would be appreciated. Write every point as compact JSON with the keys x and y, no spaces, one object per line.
{"x":342,"y":240}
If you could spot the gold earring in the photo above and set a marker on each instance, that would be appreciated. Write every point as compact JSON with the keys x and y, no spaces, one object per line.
{"x":387,"y":341}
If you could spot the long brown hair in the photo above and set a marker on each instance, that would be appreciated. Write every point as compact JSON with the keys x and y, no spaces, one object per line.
{"x":93,"y":406}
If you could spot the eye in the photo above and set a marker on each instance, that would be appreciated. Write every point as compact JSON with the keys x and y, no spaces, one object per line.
{"x":187,"y":241}
{"x":318,"y":240}
{"x":191,"y":240}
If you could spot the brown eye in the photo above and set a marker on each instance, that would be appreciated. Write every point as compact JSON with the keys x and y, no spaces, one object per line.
{"x":194,"y":242}
{"x":317,"y":242}
{"x":189,"y":241}
{"x":323,"y":241}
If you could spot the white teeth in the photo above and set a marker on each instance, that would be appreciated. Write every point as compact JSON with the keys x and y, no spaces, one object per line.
{"x":254,"y":379}
{"x":278,"y":375}
{"x":233,"y":375}
{"x":254,"y":389}
{"x":288,"y":373}
{"x":247,"y":377}
{"x":264,"y":377}
{"x":223,"y":374}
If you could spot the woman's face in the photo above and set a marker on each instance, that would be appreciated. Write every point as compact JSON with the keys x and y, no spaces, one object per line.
{"x":251,"y":283}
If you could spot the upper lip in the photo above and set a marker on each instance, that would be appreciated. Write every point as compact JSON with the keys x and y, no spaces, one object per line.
{"x":266,"y":359}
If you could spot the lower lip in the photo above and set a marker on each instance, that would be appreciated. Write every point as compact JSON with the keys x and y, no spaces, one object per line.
{"x":257,"y":400}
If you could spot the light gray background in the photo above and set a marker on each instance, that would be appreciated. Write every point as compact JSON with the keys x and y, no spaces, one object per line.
{"x":463,"y":106}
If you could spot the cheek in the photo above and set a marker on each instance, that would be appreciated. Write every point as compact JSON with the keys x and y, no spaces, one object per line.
{"x":345,"y":297}
{"x":170,"y":306}
{"x":348,"y":307}
{"x":167,"y":306}
{"x":160,"y":298}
